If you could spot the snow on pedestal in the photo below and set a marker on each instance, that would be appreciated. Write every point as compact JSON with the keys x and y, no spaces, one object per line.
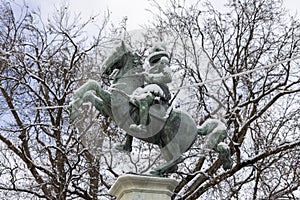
{"x":135,"y":187}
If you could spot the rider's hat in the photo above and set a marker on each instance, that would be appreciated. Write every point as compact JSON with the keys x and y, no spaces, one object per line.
{"x":157,"y":53}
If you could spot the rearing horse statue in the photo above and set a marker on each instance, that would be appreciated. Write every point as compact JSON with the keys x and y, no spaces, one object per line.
{"x":147,"y":116}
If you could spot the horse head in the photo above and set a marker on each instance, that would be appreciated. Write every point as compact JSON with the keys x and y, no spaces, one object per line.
{"x":122,"y":59}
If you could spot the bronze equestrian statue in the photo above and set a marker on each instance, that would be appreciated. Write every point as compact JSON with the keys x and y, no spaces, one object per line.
{"x":138,"y":102}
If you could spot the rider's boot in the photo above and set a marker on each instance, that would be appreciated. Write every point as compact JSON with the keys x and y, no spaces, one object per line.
{"x":143,"y":113}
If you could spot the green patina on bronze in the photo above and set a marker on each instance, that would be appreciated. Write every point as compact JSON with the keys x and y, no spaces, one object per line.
{"x":138,"y":102}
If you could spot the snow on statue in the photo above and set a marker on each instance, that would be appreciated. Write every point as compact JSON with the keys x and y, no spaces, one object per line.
{"x":138,"y":101}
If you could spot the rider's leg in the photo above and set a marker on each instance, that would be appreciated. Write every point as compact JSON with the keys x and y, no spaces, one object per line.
{"x":144,"y":109}
{"x":143,"y":113}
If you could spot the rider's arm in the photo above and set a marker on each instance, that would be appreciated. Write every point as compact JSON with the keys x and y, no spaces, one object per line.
{"x":161,"y":74}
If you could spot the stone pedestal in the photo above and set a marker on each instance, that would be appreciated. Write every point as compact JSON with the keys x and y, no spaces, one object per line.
{"x":135,"y":187}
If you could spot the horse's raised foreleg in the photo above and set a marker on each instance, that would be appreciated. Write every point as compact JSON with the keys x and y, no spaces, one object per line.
{"x":83,"y":94}
{"x":92,"y":85}
{"x":87,"y":97}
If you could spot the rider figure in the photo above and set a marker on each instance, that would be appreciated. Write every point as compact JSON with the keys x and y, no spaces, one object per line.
{"x":157,"y":75}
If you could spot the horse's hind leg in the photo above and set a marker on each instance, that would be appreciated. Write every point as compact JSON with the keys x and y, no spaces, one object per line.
{"x":169,"y":167}
{"x":172,"y":154}
{"x":127,"y":146}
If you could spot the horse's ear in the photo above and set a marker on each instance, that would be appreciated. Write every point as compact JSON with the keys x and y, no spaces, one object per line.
{"x":123,"y":45}
{"x":125,"y":48}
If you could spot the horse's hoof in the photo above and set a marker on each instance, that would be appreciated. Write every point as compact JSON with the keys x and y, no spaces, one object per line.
{"x":227,"y":164}
{"x":72,"y":114}
{"x":77,"y":95}
{"x":122,"y":147}
{"x":172,"y":169}
{"x":164,"y":171}
{"x":155,"y":173}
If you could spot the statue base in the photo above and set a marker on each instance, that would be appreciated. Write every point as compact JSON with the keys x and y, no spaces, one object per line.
{"x":138,"y":187}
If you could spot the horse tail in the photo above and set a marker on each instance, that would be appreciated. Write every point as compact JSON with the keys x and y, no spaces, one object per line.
{"x":201,"y":131}
{"x":209,"y":126}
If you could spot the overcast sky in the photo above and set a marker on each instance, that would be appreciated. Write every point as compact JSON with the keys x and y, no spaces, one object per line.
{"x":135,"y":10}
